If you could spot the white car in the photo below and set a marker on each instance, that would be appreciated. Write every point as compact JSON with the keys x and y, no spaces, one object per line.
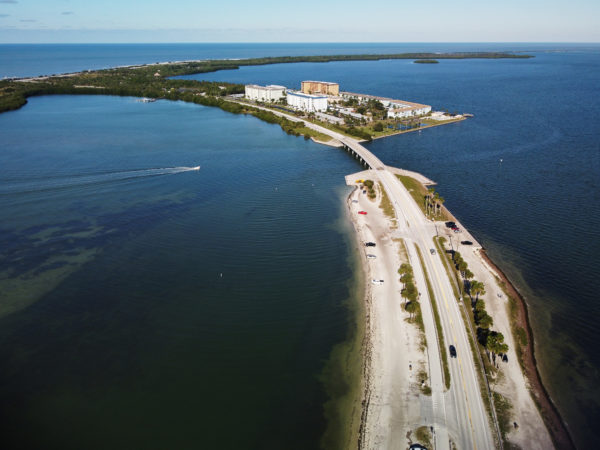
{"x":371,"y":256}
{"x":377,"y":281}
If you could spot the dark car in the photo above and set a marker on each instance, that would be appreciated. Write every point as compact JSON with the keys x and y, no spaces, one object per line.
{"x":450,"y":224}
{"x":466,"y":242}
{"x":370,"y":244}
{"x":452,"y":351}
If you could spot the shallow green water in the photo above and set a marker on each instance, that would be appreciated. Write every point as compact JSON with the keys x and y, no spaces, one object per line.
{"x":160,"y":307}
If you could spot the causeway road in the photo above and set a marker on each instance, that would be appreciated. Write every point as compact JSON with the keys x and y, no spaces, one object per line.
{"x":459,"y":413}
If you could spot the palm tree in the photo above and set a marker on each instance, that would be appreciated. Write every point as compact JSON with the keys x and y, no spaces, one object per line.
{"x":495,"y":344}
{"x":431,"y":195}
{"x":477,"y":289}
{"x":484,"y":320}
{"x":462,"y":268}
{"x":440,"y":203}
{"x":411,"y":307}
{"x":405,"y":268}
{"x":405,"y":279}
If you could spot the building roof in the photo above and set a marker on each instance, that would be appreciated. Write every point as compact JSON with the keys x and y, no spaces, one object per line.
{"x":300,"y":94}
{"x":271,"y":87}
{"x":329,"y":83}
{"x":402,"y":104}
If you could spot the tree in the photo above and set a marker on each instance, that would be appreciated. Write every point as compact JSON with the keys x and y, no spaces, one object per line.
{"x":405,"y":268}
{"x":462,"y":267}
{"x":378,"y":126}
{"x":495,"y":344}
{"x":411,"y":308}
{"x":457,"y":258}
{"x":468,"y":275}
{"x":440,"y":202}
{"x":479,"y":305}
{"x":477,"y":289}
{"x":484,"y":320}
{"x":406,"y":278}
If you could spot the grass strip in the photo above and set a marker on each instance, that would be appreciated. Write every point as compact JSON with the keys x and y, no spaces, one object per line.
{"x":503,"y":410}
{"x":385,"y":204}
{"x":467,"y":314}
{"x":418,"y":192}
{"x":439,"y":245}
{"x":438,"y":323}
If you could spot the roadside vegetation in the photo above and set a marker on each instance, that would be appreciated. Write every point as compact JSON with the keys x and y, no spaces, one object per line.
{"x":430,"y":202}
{"x":438,"y":322}
{"x":385,"y":204}
{"x":489,"y":346}
{"x":411,"y":305}
{"x":369,"y":185}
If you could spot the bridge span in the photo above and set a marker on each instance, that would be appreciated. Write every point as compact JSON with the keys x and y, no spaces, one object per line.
{"x":359,"y":152}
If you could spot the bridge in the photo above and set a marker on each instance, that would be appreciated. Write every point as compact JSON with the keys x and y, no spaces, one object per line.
{"x":359,"y":152}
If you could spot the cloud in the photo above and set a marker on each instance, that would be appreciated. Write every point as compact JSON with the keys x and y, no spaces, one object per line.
{"x":27,"y":20}
{"x":4,"y":15}
{"x":9,"y":1}
{"x":67,"y":13}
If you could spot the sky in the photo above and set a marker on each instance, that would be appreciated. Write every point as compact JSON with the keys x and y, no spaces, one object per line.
{"x":72,"y":21}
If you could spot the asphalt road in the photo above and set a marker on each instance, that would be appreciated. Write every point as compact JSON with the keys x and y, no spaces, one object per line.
{"x":458,"y":413}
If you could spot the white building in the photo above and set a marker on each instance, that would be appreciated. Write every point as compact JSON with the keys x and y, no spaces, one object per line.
{"x":401,"y":109}
{"x":271,"y":93}
{"x":307,"y":102}
{"x":396,"y":108}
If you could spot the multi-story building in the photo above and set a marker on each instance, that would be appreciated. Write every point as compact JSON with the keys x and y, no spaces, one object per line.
{"x":271,"y":93}
{"x":396,"y":108}
{"x":307,"y":102}
{"x":320,"y":87}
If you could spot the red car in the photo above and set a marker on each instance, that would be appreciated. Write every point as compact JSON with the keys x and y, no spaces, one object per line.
{"x":364,"y":213}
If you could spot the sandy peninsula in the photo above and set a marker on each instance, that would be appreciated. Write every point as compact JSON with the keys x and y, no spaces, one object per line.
{"x":397,"y":401}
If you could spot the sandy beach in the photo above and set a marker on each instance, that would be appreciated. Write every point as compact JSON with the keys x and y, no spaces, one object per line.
{"x":395,"y":397}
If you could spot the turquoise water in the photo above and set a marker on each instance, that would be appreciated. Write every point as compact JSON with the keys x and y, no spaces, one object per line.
{"x":167,"y":307}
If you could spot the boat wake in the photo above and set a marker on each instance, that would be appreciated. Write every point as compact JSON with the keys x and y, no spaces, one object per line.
{"x":62,"y":182}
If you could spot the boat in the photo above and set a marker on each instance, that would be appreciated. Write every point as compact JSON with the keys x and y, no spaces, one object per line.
{"x":147,"y":100}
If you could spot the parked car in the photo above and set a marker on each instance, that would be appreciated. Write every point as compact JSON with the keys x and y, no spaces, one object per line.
{"x":432,"y":251}
{"x":450,"y":224}
{"x":371,"y":256}
{"x":364,"y":213}
{"x":466,"y":242}
{"x":377,"y":281}
{"x":456,"y":229}
{"x":370,"y":244}
{"x":452,"y":351}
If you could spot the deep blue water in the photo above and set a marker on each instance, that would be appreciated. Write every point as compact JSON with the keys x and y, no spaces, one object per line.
{"x":536,"y":211}
{"x":25,"y":60}
{"x":101,"y":257}
{"x":144,"y":305}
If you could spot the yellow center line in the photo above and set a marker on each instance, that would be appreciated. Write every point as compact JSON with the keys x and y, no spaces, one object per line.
{"x":440,"y":287}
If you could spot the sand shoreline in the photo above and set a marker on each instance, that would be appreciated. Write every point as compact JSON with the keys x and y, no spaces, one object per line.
{"x":550,"y":418}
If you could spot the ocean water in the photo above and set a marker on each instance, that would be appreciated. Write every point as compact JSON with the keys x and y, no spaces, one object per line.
{"x":26,"y":60}
{"x":96,"y":250}
{"x":536,"y":211}
{"x":145,"y":304}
